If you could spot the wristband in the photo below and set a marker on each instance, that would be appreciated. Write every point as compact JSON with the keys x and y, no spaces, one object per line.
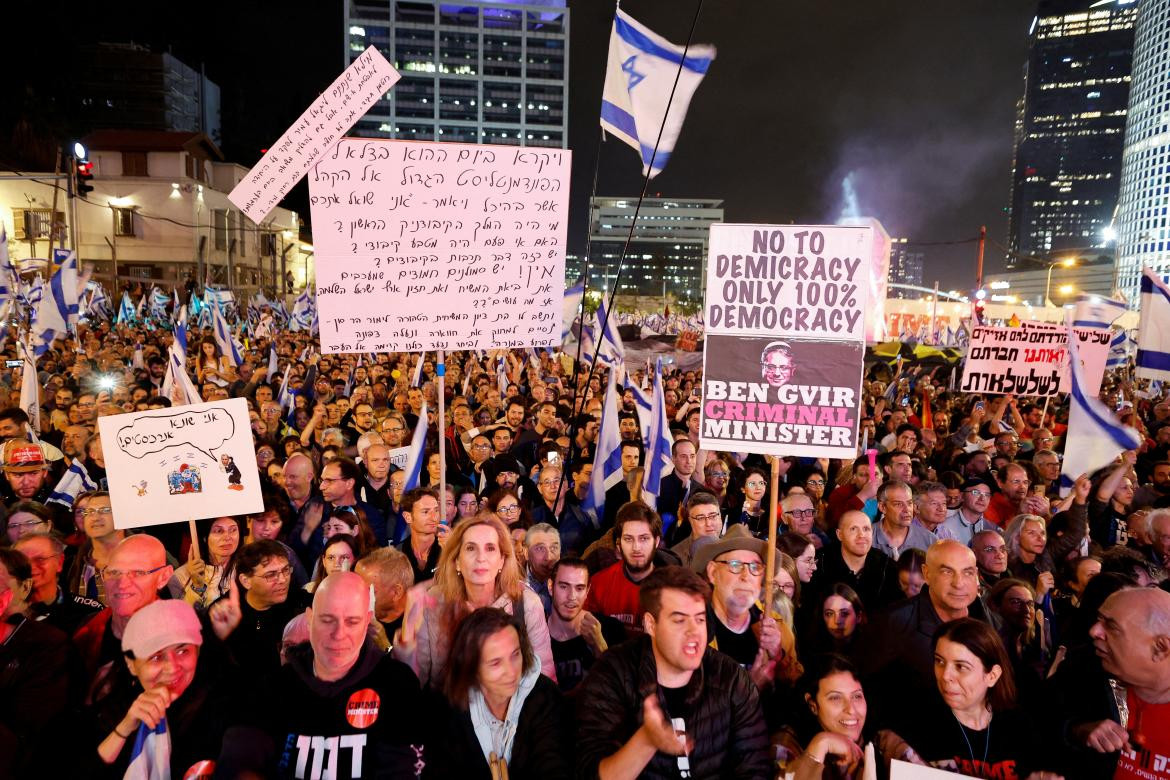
{"x":121,"y":735}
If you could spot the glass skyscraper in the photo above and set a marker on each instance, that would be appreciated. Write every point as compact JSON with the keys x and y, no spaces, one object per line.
{"x":1143,"y":236}
{"x":1070,"y":129}
{"x":475,"y":72}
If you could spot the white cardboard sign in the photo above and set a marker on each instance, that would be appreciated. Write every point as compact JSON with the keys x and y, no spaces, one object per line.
{"x":423,"y":246}
{"x":185,"y":462}
{"x":314,"y":134}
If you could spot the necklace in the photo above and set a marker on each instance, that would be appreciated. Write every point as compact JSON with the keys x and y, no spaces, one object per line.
{"x":971,"y":750}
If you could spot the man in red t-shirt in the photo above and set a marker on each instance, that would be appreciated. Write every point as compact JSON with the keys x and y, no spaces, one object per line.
{"x":614,"y":590}
{"x":1132,"y":638}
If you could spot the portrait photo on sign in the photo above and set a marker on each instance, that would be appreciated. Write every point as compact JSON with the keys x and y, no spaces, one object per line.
{"x":781,"y":396}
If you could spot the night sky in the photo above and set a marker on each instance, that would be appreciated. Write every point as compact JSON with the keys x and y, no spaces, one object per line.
{"x":913,"y":101}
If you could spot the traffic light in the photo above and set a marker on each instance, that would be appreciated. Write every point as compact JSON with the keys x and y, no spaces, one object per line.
{"x":979,"y":311}
{"x":84,"y":177}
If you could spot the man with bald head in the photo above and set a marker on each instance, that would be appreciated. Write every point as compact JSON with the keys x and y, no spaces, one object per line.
{"x":339,"y":701}
{"x":135,"y":573}
{"x":896,"y":653}
{"x":1131,"y":640}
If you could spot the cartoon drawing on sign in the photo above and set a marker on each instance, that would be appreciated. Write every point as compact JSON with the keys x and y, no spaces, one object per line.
{"x":140,"y":488}
{"x":232,"y":471}
{"x":184,"y":479}
{"x":776,"y":363}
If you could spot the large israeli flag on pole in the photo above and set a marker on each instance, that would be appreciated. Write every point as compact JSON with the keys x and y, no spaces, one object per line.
{"x":638,"y":83}
{"x":1153,"y":342}
{"x":1094,"y":437}
{"x":223,"y":336}
{"x":414,"y":460}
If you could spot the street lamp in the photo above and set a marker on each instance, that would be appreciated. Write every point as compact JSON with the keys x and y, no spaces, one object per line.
{"x":1067,"y":263}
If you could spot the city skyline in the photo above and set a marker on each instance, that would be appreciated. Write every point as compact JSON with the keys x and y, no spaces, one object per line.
{"x":910,"y":105}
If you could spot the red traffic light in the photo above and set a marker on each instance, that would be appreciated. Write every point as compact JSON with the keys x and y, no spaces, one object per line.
{"x":84,"y":177}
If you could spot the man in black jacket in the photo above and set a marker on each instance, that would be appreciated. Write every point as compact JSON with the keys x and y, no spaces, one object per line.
{"x":896,"y":651}
{"x":665,"y":704}
{"x":871,"y":573}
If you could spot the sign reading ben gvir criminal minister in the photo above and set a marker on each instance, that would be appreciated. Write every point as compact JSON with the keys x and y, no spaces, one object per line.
{"x":785,"y":319}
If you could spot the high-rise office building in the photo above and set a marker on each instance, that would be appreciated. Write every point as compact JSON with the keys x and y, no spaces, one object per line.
{"x":1143,"y":236}
{"x":668,"y":251}
{"x":125,"y":86}
{"x":1067,"y":160}
{"x":476,"y":71}
{"x":906,"y":267}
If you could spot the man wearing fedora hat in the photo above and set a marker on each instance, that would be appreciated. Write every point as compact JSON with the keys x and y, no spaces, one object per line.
{"x":734,"y":565}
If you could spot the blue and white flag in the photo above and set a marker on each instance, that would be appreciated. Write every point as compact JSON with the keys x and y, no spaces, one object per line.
{"x":1093,"y":311}
{"x":502,"y":376}
{"x":272,"y":365}
{"x":125,"y":311}
{"x":99,"y":303}
{"x":58,"y":309}
{"x":416,"y":378}
{"x":1153,"y":341}
{"x":1120,"y":349}
{"x":639,"y":80}
{"x":159,"y":301}
{"x":1094,"y":437}
{"x":177,"y":368}
{"x":607,"y":461}
{"x":611,"y":351}
{"x":284,"y":397}
{"x":223,"y":336}
{"x":573,"y":297}
{"x":150,"y":758}
{"x":414,"y":460}
{"x":643,"y":406}
{"x":74,"y":482}
{"x":9,"y":278}
{"x":303,"y":310}
{"x":658,"y":460}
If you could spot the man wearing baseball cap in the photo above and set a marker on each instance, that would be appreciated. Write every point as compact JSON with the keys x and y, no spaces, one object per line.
{"x":734,"y":565}
{"x":26,"y":469}
{"x":178,"y":693}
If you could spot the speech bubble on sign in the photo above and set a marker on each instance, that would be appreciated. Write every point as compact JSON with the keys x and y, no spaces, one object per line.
{"x":205,"y":430}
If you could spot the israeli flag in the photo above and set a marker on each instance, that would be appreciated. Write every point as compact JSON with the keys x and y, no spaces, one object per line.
{"x":1119,"y":350}
{"x":639,"y":80}
{"x":1094,"y":437}
{"x":159,"y":301}
{"x":57,"y":310}
{"x":9,"y":279}
{"x":573,"y":297}
{"x":612,"y":350}
{"x":658,"y":460}
{"x":644,"y":406}
{"x":272,"y":361}
{"x":223,"y":336}
{"x":1153,"y":341}
{"x":607,"y":461}
{"x":414,"y":460}
{"x":150,"y":758}
{"x":416,"y":378}
{"x":1093,"y":311}
{"x":75,"y":482}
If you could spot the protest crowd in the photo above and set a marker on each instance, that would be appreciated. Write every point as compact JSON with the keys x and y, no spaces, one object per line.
{"x":949,"y":607}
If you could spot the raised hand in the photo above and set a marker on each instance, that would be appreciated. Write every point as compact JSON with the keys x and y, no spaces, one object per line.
{"x":225,"y":614}
{"x":659,"y":731}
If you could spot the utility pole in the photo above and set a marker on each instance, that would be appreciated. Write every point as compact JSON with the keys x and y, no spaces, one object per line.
{"x":979,"y":262}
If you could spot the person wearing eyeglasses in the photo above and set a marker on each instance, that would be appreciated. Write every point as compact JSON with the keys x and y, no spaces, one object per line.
{"x":736,"y":624}
{"x":136,"y":571}
{"x":963,"y":523}
{"x":339,"y":482}
{"x":49,"y":602}
{"x":96,"y":519}
{"x":798,"y":515}
{"x":991,"y":556}
{"x":1014,"y":496}
{"x":260,"y":601}
{"x":715,"y":476}
{"x":705,"y":524}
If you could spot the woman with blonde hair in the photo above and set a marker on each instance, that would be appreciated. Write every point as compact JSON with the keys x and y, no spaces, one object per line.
{"x":477,"y":568}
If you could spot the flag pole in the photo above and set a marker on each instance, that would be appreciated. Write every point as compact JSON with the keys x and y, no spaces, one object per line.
{"x":641,"y":197}
{"x":770,"y":570}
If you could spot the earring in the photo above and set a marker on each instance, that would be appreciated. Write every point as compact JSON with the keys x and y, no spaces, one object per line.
{"x":458,"y":573}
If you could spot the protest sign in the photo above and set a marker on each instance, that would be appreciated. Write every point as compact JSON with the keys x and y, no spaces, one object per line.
{"x":785,"y":324}
{"x":1032,"y":360}
{"x":181,"y":463}
{"x":314,"y":134}
{"x":399,"y":457}
{"x":793,"y":396}
{"x":788,"y":280}
{"x":427,"y":246}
